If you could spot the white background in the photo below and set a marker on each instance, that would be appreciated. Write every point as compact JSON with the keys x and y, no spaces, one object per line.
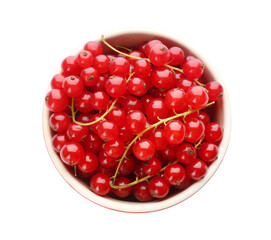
{"x":36,"y":203}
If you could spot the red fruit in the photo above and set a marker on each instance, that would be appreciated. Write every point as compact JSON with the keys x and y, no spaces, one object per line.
{"x":59,"y":140}
{"x":115,"y":86}
{"x":57,"y":81}
{"x":141,"y":192}
{"x":215,"y":90}
{"x":196,"y":169}
{"x":77,"y":132}
{"x":144,"y":149}
{"x":72,"y":86}
{"x":135,"y":53}
{"x":163,"y":77}
{"x":72,"y":153}
{"x":100,"y":184}
{"x":186,"y":153}
{"x":90,"y":76}
{"x":174,"y":174}
{"x":70,"y":66}
{"x":100,"y":100}
{"x":107,"y":161}
{"x":204,"y":117}
{"x":127,"y":166}
{"x":88,"y":164}
{"x":208,"y":152}
{"x":184,"y":184}
{"x":83,"y":102}
{"x":197,"y":97}
{"x":159,"y":55}
{"x":122,"y":192}
{"x":152,"y":167}
{"x":175,"y":99}
{"x":193,"y":68}
{"x":213,"y":132}
{"x":174,"y":132}
{"x":56,"y":100}
{"x":157,"y":138}
{"x":194,"y":130}
{"x":158,"y":186}
{"x":101,"y":63}
{"x":59,"y":122}
{"x":169,"y":152}
{"x":185,"y":84}
{"x":156,"y":108}
{"x":137,"y":86}
{"x":85,"y":59}
{"x":114,"y":148}
{"x":117,"y":115}
{"x":136,"y":121}
{"x":177,"y":56}
{"x":142,"y":68}
{"x":108,"y":130}
{"x":92,"y":143}
{"x":94,"y":47}
{"x":120,"y":67}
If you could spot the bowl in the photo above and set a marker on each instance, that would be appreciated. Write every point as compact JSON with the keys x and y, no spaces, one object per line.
{"x":223,"y":116}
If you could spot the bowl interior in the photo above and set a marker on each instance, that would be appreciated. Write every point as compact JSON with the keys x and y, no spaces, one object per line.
{"x":132,"y":40}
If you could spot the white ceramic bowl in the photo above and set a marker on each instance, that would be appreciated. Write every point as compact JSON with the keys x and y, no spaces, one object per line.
{"x":223,"y":116}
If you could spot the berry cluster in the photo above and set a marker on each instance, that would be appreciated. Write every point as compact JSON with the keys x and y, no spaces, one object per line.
{"x":135,"y":122}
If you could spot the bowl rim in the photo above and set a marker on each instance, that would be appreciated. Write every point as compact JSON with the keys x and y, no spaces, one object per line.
{"x":140,"y":207}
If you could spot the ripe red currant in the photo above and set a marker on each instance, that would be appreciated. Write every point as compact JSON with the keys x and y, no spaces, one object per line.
{"x":177,"y":55}
{"x":83,"y":102}
{"x":101,"y":63}
{"x":100,"y":184}
{"x":159,"y":55}
{"x":196,"y":169}
{"x":131,"y":103}
{"x":194,"y":130}
{"x":56,"y":100}
{"x":77,"y":132}
{"x":89,"y":163}
{"x":100,"y":100}
{"x":144,"y":149}
{"x":156,"y":108}
{"x":208,"y":152}
{"x":135,"y":121}
{"x":92,"y":143}
{"x":157,"y":138}
{"x":114,"y":148}
{"x":175,"y":99}
{"x":127,"y":166}
{"x":142,"y":68}
{"x":186,"y":153}
{"x":59,"y":140}
{"x":174,"y":174}
{"x":122,"y":192}
{"x":163,"y":77}
{"x":213,"y":132}
{"x":215,"y":90}
{"x":120,"y":67}
{"x":141,"y":192}
{"x":70,"y":66}
{"x":158,"y":186}
{"x":152,"y":167}
{"x":137,"y":86}
{"x":106,"y":161}
{"x":115,"y":86}
{"x":197,"y":97}
{"x":72,"y":153}
{"x":94,"y":47}
{"x":174,"y":132}
{"x":108,"y":130}
{"x":59,"y":122}
{"x":57,"y":81}
{"x":193,"y":68}
{"x":85,"y":59}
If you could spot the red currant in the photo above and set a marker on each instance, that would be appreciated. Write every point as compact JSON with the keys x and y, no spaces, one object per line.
{"x":89,"y":163}
{"x":204,"y":117}
{"x":156,"y":108}
{"x":174,"y":174}
{"x":135,"y":53}
{"x":157,"y":138}
{"x":194,"y":130}
{"x":177,"y":55}
{"x":83,"y":102}
{"x":127,"y":166}
{"x":92,"y":143}
{"x":107,"y":161}
{"x":152,"y":167}
{"x":175,"y":99}
{"x":186,"y":153}
{"x":213,"y":132}
{"x":85,"y":59}
{"x":215,"y":90}
{"x":144,"y":149}
{"x":158,"y":186}
{"x":90,"y":76}
{"x":77,"y":132}
{"x":193,"y":68}
{"x":101,"y":63}
{"x":115,"y":86}
{"x":120,"y":67}
{"x":72,"y":153}
{"x":100,"y":184}
{"x":196,"y":169}
{"x":169,"y":152}
{"x":117,"y":115}
{"x":131,"y":103}
{"x":70,"y":66}
{"x":137,"y":86}
{"x":136,"y":121}
{"x":122,"y":192}
{"x":149,"y":45}
{"x":59,"y":122}
{"x":163,"y":77}
{"x":184,"y":184}
{"x":56,"y":100}
{"x":94,"y":47}
{"x":174,"y":132}
{"x":141,"y":192}
{"x":108,"y":130}
{"x":208,"y":152}
{"x":142,"y":68}
{"x":57,"y":81}
{"x":114,"y":148}
{"x":159,"y":55}
{"x":59,"y":140}
{"x":197,"y":97}
{"x":100,"y":100}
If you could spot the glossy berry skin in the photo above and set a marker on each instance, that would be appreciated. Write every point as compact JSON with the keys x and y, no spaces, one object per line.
{"x":137,"y":86}
{"x":215,"y":90}
{"x":152,"y":167}
{"x":156,"y":108}
{"x":108,"y":130}
{"x":158,"y":187}
{"x":131,"y":103}
{"x":135,"y":121}
{"x":184,"y":184}
{"x":70,"y":66}
{"x":100,"y":100}
{"x":72,"y":86}
{"x":84,"y":117}
{"x":126,"y":135}
{"x":169,"y":152}
{"x":142,"y":68}
{"x":163,"y":77}
{"x":85,"y":59}
{"x":157,"y":138}
{"x":174,"y":174}
{"x":208,"y":152}
{"x":144,"y":149}
{"x":100,"y":184}
{"x":159,"y":55}
{"x":106,"y":161}
{"x":141,"y":192}
{"x":83,"y":102}
{"x":177,"y":56}
{"x":139,"y":172}
{"x":115,"y":86}
{"x":194,"y":130}
{"x":114,"y":148}
{"x":76,"y":132}
{"x":59,"y":122}
{"x":56,"y":100}
{"x":122,"y":192}
{"x":90,"y":76}
{"x":100,"y":85}
{"x":120,"y":67}
{"x":186,"y":153}
{"x":185,"y":84}
{"x":72,"y":153}
{"x":135,"y":53}
{"x":197,"y":97}
{"x":149,"y":45}
{"x":175,"y":99}
{"x":59,"y":140}
{"x":94,"y":47}
{"x":57,"y":81}
{"x":92,"y":143}
{"x":196,"y":169}
{"x":127,"y":166}
{"x":117,"y":115}
{"x":213,"y":132}
{"x":193,"y":68}
{"x":174,"y":132}
{"x":101,"y":63}
{"x":204,"y":117}
{"x":89,"y":163}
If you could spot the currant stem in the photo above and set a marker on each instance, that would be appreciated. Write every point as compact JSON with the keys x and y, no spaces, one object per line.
{"x":199,"y":142}
{"x":127,"y":49}
{"x":155,"y":125}
{"x":97,"y":120}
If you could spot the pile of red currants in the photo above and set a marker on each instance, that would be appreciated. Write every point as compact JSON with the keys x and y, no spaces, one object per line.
{"x":135,"y":124}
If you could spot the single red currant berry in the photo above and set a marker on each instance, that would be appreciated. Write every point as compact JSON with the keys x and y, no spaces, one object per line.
{"x":131,"y":103}
{"x":145,"y":100}
{"x":90,"y":76}
{"x":85,"y":59}
{"x":175,"y":99}
{"x":136,"y":121}
{"x":149,"y":45}
{"x":100,"y":85}
{"x":156,"y":108}
{"x":142,"y":68}
{"x":139,"y":172}
{"x":157,"y":138}
{"x":126,"y":135}
{"x":56,"y":100}
{"x":177,"y":55}
{"x":59,"y":122}
{"x":169,"y":152}
{"x":193,"y":68}
{"x":137,"y":86}
{"x":94,"y":47}
{"x":141,"y":192}
{"x":215,"y":90}
{"x":108,"y":130}
{"x":59,"y":140}
{"x":89,"y":163}
{"x":77,"y":132}
{"x":184,"y":184}
{"x":158,"y":186}
{"x":92,"y":143}
{"x":186,"y":59}
{"x":114,"y":148}
{"x":163,"y":77}
{"x":117,"y":115}
{"x":57,"y":81}
{"x":135,"y":53}
{"x":144,"y":149}
{"x":72,"y":153}
{"x":197,"y":97}
{"x":213,"y":132}
{"x":120,"y":67}
{"x":186,"y":153}
{"x":194,"y":130}
{"x":152,"y":167}
{"x":106,"y":161}
{"x":96,"y":117}
{"x":127,"y":166}
{"x":196,"y":169}
{"x":100,"y":184}
{"x":83,"y":102}
{"x":185,"y":84}
{"x":101,"y":63}
{"x":70,"y":66}
{"x":115,"y":86}
{"x":174,"y":174}
{"x":204,"y":117}
{"x":100,"y":100}
{"x":122,"y":192}
{"x":159,"y":55}
{"x":174,"y":132}
{"x":84,"y":117}
{"x":72,"y":86}
{"x":208,"y":152}
{"x":108,"y":171}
